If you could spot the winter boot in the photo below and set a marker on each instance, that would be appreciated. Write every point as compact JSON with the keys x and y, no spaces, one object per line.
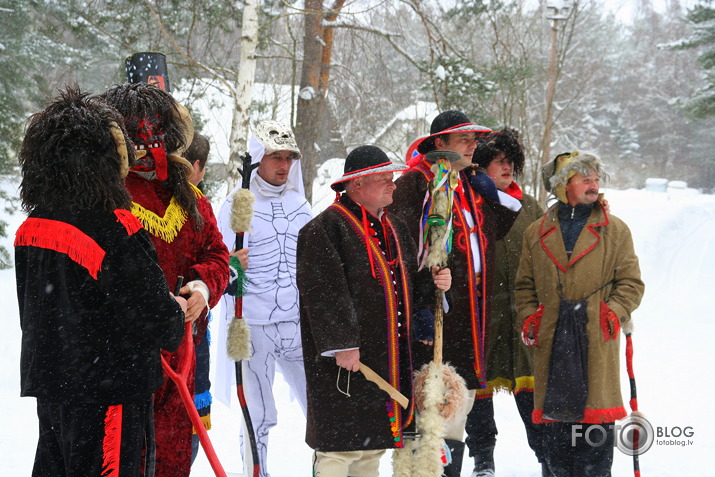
{"x":484,"y":463}
{"x":456,"y":448}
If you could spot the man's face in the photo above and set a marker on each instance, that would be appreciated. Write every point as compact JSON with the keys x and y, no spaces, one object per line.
{"x":501,"y":170}
{"x":376,"y":190}
{"x":582,"y":189}
{"x":274,"y":167}
{"x":463,"y":143}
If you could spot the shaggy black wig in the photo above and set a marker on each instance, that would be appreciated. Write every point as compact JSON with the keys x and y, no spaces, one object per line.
{"x":489,"y":146}
{"x":69,"y":157}
{"x":141,"y":100}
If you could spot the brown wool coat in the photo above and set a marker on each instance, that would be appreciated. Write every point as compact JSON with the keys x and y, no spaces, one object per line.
{"x":459,"y":330}
{"x":342,"y":306}
{"x":603,"y":255}
{"x":509,"y":363}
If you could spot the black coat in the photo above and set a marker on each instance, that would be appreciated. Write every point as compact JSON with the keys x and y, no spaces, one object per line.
{"x":342,"y":306}
{"x":94,"y":307}
{"x":466,"y":321}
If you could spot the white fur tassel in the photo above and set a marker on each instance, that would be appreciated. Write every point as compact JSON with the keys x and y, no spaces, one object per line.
{"x":428,"y":457}
{"x":238,"y":340}
{"x":402,"y":460}
{"x":242,"y":210}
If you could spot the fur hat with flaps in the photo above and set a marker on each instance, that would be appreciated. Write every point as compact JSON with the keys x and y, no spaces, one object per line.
{"x":363,"y":161}
{"x":160,"y":128}
{"x":557,"y":173}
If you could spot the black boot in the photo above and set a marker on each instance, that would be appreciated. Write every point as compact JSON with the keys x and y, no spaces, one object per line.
{"x":456,"y":448}
{"x":484,"y":463}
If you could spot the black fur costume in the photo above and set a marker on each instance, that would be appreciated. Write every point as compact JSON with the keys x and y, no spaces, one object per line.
{"x":95,"y":309}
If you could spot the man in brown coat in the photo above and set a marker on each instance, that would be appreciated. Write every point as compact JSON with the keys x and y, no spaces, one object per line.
{"x":577,"y":285}
{"x":355,"y":270}
{"x":479,"y":220}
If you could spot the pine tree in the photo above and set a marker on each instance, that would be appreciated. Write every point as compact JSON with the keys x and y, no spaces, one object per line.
{"x":702,"y":20}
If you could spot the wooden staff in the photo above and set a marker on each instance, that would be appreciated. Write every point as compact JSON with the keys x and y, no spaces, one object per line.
{"x":436,"y":380}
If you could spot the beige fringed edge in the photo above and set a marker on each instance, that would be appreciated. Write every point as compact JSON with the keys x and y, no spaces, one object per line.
{"x":238,"y":340}
{"x":428,"y":457}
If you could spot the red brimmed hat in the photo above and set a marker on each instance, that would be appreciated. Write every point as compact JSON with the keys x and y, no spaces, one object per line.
{"x":447,"y":122}
{"x":363,"y":161}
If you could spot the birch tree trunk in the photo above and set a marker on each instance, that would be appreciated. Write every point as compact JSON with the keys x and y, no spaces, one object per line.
{"x":240,"y":123}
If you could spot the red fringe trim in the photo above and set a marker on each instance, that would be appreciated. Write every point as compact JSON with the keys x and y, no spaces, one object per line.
{"x":590,"y":416}
{"x":62,"y":238}
{"x":128,"y":220}
{"x":112,"y":443}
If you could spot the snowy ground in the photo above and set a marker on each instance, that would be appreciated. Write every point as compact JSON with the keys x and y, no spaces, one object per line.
{"x":675,"y":328}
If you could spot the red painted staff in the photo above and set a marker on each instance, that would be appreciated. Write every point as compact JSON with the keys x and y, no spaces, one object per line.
{"x":180,"y":379}
{"x":633,"y":402}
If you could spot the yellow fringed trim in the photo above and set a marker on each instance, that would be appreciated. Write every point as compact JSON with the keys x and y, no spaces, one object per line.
{"x":524,"y":383}
{"x":506,"y":385}
{"x":197,"y":191}
{"x":207,"y":423}
{"x":495,"y":385}
{"x":167,"y":227}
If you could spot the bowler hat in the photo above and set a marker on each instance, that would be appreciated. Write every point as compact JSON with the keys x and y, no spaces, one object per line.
{"x":363,"y":161}
{"x":447,"y":122}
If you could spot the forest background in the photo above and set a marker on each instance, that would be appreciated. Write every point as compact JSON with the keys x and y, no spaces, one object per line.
{"x":638,"y":91}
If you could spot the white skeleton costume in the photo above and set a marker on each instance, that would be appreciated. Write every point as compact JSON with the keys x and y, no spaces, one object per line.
{"x":270,"y":304}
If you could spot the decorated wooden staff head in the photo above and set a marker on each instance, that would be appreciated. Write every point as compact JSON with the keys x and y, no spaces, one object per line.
{"x":438,"y":227}
{"x":447,"y":396}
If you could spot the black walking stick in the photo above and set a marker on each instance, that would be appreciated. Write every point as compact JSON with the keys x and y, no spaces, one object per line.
{"x":238,"y":339}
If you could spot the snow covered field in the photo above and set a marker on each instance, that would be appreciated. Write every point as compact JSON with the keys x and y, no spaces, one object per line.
{"x":675,"y":330}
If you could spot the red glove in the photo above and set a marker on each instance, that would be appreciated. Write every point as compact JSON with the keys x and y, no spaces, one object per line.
{"x":530,"y":328}
{"x":610,"y":326}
